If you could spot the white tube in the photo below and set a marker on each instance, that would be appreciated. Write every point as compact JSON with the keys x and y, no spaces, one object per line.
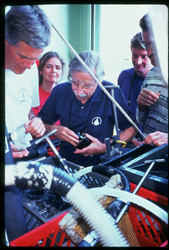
{"x":9,"y":175}
{"x":83,"y":171}
{"x":96,"y":216}
{"x":123,"y":195}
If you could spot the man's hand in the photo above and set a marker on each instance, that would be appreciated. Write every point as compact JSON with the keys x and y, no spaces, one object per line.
{"x":146,"y":98}
{"x":96,"y":147}
{"x":157,"y":138}
{"x":136,"y":142}
{"x":18,"y":152}
{"x":65,"y":134}
{"x":35,"y":127}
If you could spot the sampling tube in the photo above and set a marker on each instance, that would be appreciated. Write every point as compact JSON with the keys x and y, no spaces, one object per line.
{"x":38,"y":175}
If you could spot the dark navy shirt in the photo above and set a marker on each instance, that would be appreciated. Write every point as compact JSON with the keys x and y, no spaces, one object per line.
{"x":95,"y":117}
{"x":125,"y":83}
{"x":129,"y":81}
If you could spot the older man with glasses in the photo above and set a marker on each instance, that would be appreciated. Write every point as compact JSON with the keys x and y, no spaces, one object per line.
{"x":81,"y":106}
{"x":152,"y":112}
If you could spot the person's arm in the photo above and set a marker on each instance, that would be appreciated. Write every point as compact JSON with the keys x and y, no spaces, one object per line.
{"x":31,"y":115}
{"x":128,"y":134}
{"x":145,"y":99}
{"x":34,"y":126}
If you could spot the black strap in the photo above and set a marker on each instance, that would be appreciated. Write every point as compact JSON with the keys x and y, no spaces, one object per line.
{"x":132,"y":81}
{"x":114,"y":140}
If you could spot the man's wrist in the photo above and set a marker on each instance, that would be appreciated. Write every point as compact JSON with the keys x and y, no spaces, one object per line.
{"x":35,"y":117}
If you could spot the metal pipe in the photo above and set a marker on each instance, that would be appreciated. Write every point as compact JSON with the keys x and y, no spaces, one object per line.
{"x":138,"y":187}
{"x":46,"y":137}
{"x":115,"y":118}
{"x":112,"y":87}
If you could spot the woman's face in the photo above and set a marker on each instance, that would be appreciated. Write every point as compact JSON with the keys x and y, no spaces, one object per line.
{"x":52,"y":70}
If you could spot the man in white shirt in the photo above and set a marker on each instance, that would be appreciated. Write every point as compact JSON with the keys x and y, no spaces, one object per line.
{"x":27,"y":33}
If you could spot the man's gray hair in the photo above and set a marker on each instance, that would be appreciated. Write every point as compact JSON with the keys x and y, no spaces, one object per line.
{"x":92,"y":60}
{"x":29,"y":25}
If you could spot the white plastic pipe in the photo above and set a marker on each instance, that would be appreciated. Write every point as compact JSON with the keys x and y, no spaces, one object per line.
{"x":129,"y":197}
{"x":96,"y":216}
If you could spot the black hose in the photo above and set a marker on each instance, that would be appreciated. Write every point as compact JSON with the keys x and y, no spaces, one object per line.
{"x":62,"y":182}
{"x":38,"y":175}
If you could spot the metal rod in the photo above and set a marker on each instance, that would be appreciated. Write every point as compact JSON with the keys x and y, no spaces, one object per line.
{"x":58,"y":155}
{"x":143,"y":178}
{"x":115,"y":118}
{"x":135,"y":191}
{"x":99,"y":83}
{"x":46,"y":137}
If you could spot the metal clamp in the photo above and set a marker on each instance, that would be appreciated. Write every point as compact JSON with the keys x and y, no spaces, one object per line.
{"x":122,"y":142}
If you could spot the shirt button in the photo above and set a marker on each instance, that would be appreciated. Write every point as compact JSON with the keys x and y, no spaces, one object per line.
{"x":82,"y":107}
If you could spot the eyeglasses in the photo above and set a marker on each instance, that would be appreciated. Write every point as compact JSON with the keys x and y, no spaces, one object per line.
{"x":85,"y":84}
{"x":146,"y":45}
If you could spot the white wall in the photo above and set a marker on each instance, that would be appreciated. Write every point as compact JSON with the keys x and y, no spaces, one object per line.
{"x":58,"y":15}
{"x":119,"y":23}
